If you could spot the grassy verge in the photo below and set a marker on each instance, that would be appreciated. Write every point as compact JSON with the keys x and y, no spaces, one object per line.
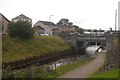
{"x":108,"y":74}
{"x":15,"y":49}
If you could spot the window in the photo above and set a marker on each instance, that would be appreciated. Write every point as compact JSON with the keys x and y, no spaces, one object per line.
{"x":15,"y":20}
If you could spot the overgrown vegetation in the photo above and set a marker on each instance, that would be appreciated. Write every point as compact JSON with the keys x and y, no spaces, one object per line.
{"x":16,"y":49}
{"x":21,"y":29}
{"x":117,"y":42}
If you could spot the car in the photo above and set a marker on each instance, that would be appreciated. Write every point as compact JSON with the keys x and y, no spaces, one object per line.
{"x":44,"y":34}
{"x":72,"y":33}
{"x":79,"y":34}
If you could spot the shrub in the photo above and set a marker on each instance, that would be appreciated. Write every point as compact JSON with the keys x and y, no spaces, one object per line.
{"x":21,"y":29}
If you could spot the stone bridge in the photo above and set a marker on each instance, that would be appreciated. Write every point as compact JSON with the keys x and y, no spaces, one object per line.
{"x":81,"y":41}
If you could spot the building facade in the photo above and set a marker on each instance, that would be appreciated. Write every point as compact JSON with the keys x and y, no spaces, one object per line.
{"x":67,"y":29}
{"x":39,"y":30}
{"x":44,"y":27}
{"x":22,"y":17}
{"x":3,"y":24}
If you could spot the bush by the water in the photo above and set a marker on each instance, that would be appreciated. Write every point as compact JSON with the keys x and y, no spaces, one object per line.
{"x":17,"y":49}
{"x":21,"y":29}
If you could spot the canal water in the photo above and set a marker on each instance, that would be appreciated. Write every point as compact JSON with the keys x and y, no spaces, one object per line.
{"x":90,"y":50}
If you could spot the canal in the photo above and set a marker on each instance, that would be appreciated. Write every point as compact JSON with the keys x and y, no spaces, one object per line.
{"x":90,"y":50}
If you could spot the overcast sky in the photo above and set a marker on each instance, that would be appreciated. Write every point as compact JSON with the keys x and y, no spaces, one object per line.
{"x":87,"y":14}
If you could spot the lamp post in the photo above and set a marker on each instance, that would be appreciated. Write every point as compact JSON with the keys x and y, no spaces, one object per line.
{"x":50,"y":18}
{"x":115,"y":19}
{"x":118,"y":16}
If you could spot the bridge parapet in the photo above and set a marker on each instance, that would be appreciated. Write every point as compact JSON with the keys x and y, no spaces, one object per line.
{"x":91,"y":38}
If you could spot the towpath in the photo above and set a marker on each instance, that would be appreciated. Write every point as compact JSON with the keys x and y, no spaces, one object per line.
{"x":87,"y":70}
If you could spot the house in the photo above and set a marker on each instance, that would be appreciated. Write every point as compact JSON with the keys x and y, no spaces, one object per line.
{"x":39,"y":30}
{"x":55,"y":31}
{"x":3,"y":24}
{"x":44,"y":27}
{"x":22,"y":17}
{"x":67,"y":29}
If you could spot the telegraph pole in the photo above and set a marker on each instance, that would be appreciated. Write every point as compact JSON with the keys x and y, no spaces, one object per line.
{"x":115,"y":19}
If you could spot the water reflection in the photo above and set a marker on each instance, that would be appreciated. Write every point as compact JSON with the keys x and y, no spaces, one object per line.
{"x":90,"y":50}
{"x":101,"y":50}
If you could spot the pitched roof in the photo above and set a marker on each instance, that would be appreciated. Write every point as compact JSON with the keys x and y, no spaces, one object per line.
{"x":4,"y":17}
{"x":55,"y":28}
{"x":38,"y":27}
{"x":62,"y":26}
{"x":21,"y":16}
{"x":47,"y":23}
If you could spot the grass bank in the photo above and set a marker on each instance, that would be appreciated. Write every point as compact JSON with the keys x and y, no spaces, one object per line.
{"x":108,"y":74}
{"x":15,"y":49}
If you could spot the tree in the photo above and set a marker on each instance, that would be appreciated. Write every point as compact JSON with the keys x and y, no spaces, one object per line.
{"x":76,"y":26}
{"x":66,"y":23}
{"x":63,"y":21}
{"x":70,"y":24}
{"x":21,"y":29}
{"x":79,"y":30}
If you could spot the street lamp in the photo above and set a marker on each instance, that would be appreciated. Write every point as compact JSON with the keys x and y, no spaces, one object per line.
{"x":50,"y":18}
{"x":115,"y":19}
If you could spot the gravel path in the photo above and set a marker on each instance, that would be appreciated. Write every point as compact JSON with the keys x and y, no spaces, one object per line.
{"x":87,"y":70}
